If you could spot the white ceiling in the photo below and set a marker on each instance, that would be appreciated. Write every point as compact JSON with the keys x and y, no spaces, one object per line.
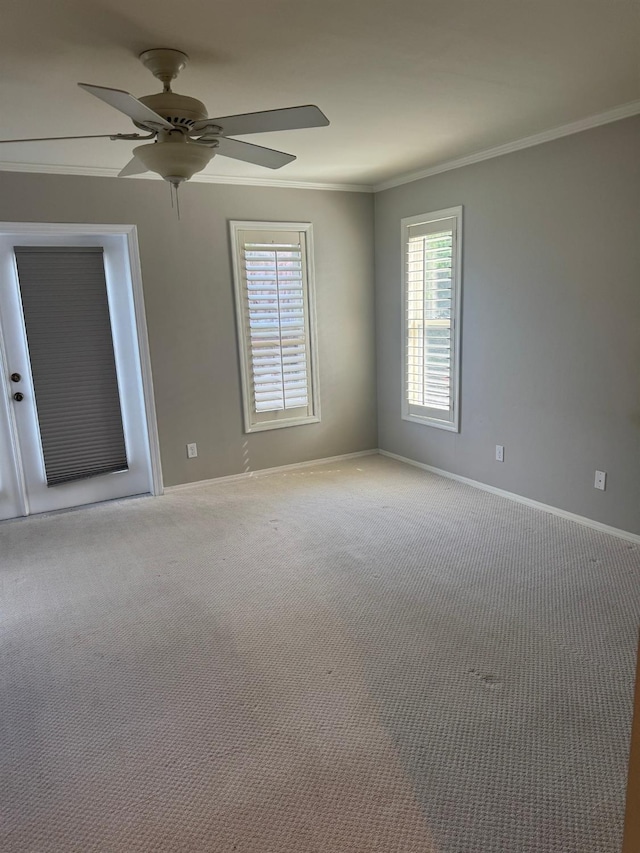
{"x":407,"y":84}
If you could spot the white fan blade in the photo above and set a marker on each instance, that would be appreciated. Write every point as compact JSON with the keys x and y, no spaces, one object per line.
{"x":238,"y":150}
{"x":54,"y":138}
{"x":128,"y":105}
{"x":133,"y":167}
{"x":291,"y":118}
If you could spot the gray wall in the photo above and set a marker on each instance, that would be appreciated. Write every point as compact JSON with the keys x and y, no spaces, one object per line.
{"x":551,"y":322}
{"x":186,"y":270}
{"x":551,"y":317}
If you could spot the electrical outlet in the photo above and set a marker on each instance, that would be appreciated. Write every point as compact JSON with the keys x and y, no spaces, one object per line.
{"x":192,"y":450}
{"x":499,"y":453}
{"x":601,"y":480}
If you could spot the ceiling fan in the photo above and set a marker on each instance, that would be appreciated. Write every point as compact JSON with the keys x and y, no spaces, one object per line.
{"x":184,"y":138}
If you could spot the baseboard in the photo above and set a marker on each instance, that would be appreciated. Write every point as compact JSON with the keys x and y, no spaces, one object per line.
{"x":512,"y":496}
{"x":264,"y":471}
{"x":440,"y":472}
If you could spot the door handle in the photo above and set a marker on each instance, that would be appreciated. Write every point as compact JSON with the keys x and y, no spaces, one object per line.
{"x":18,"y":397}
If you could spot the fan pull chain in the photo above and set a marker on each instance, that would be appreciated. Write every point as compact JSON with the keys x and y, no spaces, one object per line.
{"x":173,"y":188}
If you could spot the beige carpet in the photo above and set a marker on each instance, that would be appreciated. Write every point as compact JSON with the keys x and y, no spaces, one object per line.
{"x":360,"y":658}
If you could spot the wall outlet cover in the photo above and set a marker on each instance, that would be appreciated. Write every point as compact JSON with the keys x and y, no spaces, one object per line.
{"x":192,"y":450}
{"x":499,"y":453}
{"x":601,"y":480}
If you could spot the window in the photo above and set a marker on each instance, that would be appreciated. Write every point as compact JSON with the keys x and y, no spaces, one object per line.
{"x":273,"y":276}
{"x":431,"y":318}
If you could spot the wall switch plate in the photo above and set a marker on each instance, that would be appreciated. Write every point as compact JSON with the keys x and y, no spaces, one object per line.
{"x":601,"y":480}
{"x":499,"y":453}
{"x":192,"y":450}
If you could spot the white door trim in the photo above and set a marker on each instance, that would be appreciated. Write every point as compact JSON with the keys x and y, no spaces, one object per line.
{"x":18,"y":490}
{"x":145,"y":358}
{"x":130,"y":232}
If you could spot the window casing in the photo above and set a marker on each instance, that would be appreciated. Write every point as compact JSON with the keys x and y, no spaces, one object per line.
{"x":431,"y":296}
{"x":275,"y":311}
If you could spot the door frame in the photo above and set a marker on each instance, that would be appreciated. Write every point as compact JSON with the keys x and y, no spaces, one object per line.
{"x":130,"y":233}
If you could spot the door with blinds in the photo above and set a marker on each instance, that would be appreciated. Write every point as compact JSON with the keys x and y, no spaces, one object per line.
{"x":73,"y":382}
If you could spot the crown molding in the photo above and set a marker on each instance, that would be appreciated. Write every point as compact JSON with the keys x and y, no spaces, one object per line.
{"x":270,"y":182}
{"x":615,"y":114}
{"x":106,"y":172}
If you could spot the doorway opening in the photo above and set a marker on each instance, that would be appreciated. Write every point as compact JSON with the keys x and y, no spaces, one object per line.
{"x":77,"y":417}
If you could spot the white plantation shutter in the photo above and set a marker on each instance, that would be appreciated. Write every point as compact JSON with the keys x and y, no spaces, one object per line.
{"x":431,"y":314}
{"x":273,"y":301}
{"x":275,"y":313}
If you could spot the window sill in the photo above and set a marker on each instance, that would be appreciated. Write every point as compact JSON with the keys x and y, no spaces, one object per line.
{"x":265,"y":425}
{"x":432,"y":422}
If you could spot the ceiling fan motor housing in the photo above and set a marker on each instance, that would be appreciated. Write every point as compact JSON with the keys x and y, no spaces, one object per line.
{"x":181,"y":110}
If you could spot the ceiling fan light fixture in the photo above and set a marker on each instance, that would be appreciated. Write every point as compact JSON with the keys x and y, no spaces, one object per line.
{"x":186,"y":139}
{"x":174,"y":162}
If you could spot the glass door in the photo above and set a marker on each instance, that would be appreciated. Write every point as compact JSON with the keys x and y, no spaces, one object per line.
{"x":73,"y":383}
